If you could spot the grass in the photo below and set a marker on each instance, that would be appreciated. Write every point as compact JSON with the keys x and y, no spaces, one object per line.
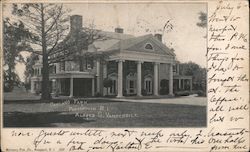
{"x":39,"y":114}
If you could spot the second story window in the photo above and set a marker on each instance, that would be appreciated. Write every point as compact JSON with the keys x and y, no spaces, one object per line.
{"x":62,"y":66}
{"x":89,"y":63}
{"x":174,"y":68}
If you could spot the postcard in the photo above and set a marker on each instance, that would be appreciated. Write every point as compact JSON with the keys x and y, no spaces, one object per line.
{"x":123,"y":76}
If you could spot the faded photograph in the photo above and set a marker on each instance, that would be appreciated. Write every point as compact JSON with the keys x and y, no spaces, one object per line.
{"x":104,"y":65}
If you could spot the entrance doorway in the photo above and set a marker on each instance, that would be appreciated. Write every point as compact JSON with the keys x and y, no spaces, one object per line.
{"x":148,"y":85}
{"x":82,"y":87}
{"x":131,"y":84}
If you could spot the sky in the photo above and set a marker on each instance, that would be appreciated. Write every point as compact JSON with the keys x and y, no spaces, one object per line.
{"x":186,"y":38}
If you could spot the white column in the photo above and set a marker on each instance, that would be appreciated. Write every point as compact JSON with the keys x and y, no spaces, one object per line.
{"x":191,"y":84}
{"x":105,"y":75}
{"x":139,"y":78}
{"x":105,"y":70}
{"x":71,"y":86}
{"x":171,"y":79}
{"x":32,"y":86}
{"x":93,"y":87}
{"x":98,"y":76}
{"x":156,"y":79}
{"x":120,"y":79}
{"x":54,"y":87}
{"x":57,"y":67}
{"x":183,"y":83}
{"x":179,"y":84}
{"x":59,"y":86}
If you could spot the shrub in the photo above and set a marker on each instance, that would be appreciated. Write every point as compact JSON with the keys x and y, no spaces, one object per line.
{"x":201,"y":93}
{"x":98,"y":94}
{"x":182,"y":93}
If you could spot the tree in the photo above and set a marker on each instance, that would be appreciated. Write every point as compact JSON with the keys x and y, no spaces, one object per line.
{"x":198,"y":74}
{"x":30,"y":61}
{"x":14,"y":35}
{"x":46,"y":22}
{"x":202,"y":19}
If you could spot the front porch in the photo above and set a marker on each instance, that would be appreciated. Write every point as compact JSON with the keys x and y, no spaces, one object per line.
{"x":138,"y":78}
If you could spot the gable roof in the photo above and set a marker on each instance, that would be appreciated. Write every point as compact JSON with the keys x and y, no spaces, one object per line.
{"x":130,"y":44}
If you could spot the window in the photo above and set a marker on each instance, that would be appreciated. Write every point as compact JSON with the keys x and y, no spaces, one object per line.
{"x":149,"y":46}
{"x":62,"y":66}
{"x":89,"y":63}
{"x":131,"y":83}
{"x":148,"y":86}
{"x":113,"y":89}
{"x":174,"y":68}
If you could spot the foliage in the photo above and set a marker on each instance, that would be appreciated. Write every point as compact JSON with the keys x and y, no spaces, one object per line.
{"x":182,"y":93}
{"x":46,"y":22}
{"x":107,"y":83}
{"x":164,"y":87}
{"x":198,"y":74}
{"x":202,"y":19}
{"x":14,"y":36}
{"x":30,"y":61}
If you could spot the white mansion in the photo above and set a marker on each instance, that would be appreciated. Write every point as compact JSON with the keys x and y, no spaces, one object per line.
{"x":135,"y":66}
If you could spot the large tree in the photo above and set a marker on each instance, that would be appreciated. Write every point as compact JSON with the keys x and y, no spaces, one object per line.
{"x":14,"y":36}
{"x":202,"y":20}
{"x":197,"y":72}
{"x":46,"y":22}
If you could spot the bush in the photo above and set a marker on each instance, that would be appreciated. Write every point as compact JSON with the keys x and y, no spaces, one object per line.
{"x":164,"y":91}
{"x":143,"y":92}
{"x":201,"y":93}
{"x":107,"y":83}
{"x":98,"y":94}
{"x":37,"y":92}
{"x":182,"y":93}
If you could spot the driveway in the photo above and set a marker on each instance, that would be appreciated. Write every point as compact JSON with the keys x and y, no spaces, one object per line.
{"x":184,"y":100}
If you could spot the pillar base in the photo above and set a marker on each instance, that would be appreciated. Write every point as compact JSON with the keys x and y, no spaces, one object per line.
{"x":119,"y":96}
{"x":171,"y":94}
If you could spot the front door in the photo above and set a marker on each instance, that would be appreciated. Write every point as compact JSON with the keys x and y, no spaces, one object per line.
{"x":82,"y":87}
{"x":148,"y":86}
{"x":113,"y":88}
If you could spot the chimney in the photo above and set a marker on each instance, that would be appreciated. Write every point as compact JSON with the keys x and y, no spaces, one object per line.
{"x":75,"y":23}
{"x":158,"y":37}
{"x":118,"y":30}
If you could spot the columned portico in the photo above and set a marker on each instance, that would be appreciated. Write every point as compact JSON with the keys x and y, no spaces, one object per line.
{"x":120,"y":79}
{"x":71,"y":86}
{"x":139,"y":78}
{"x":156,"y":66}
{"x":171,"y":79}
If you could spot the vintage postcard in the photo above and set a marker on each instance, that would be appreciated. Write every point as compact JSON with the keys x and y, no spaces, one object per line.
{"x":124,"y":76}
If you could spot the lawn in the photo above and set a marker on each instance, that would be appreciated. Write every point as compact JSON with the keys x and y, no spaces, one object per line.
{"x":101,"y":113}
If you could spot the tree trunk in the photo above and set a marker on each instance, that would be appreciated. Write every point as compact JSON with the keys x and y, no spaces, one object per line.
{"x":45,"y":79}
{"x":45,"y":69}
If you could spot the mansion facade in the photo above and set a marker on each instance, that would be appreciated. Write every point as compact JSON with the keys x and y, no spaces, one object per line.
{"x":133,"y":66}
